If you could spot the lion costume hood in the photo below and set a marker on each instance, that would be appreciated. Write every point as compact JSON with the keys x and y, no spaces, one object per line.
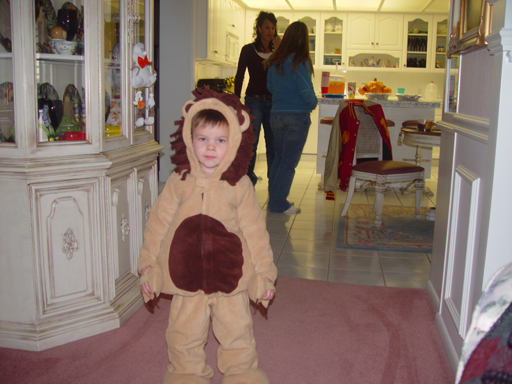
{"x":208,"y":235}
{"x":236,"y":161}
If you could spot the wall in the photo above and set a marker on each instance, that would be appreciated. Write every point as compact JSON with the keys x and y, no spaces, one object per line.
{"x":175,"y":73}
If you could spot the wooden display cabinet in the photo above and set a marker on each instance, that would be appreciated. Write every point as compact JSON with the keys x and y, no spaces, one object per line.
{"x":78,"y":168}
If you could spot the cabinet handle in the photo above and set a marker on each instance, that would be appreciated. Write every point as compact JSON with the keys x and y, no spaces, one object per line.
{"x":372,"y":43}
{"x":377,"y":43}
{"x":135,"y":18}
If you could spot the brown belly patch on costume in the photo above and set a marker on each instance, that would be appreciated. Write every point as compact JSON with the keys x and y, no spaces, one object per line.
{"x":204,"y":255}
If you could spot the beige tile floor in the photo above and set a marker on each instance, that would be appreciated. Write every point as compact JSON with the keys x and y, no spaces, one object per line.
{"x":304,"y":244}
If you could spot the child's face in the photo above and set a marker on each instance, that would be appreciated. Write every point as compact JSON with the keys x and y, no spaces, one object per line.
{"x":210,"y":146}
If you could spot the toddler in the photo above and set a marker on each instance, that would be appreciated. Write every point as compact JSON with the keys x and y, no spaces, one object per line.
{"x":206,"y":243}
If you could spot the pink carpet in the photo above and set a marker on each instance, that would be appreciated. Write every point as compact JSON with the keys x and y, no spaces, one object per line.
{"x":316,"y":332}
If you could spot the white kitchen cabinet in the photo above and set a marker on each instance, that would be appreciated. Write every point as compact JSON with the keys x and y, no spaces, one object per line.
{"x":219,"y":31}
{"x":311,"y":20}
{"x":440,"y":43}
{"x":284,"y":19}
{"x":375,"y":32}
{"x":76,"y":192}
{"x":332,"y":39}
{"x":418,"y":37}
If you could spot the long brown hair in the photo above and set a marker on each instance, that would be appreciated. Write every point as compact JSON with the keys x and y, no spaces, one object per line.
{"x":295,"y":40}
{"x":259,"y":23}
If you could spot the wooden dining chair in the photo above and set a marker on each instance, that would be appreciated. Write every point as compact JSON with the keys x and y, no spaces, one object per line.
{"x":379,"y":173}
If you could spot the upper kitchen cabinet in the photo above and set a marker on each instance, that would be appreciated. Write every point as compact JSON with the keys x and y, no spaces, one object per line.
{"x":440,"y":39}
{"x":219,"y":31}
{"x":418,"y":32}
{"x":374,"y":32}
{"x":311,"y":20}
{"x":332,"y":42}
{"x":78,"y":165}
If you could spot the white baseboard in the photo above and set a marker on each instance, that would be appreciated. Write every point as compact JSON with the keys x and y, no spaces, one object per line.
{"x":453,"y":357}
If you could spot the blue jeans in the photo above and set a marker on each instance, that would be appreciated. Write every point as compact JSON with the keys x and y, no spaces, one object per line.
{"x":290,"y":131}
{"x":260,"y":109}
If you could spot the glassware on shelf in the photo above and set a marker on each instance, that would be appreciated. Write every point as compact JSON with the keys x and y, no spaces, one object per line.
{"x":333,"y":39}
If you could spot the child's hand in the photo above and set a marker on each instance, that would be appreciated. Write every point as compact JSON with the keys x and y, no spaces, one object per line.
{"x":269,"y":293}
{"x":146,"y":289}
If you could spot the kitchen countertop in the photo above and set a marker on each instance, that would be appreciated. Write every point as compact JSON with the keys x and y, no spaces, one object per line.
{"x":391,"y":102}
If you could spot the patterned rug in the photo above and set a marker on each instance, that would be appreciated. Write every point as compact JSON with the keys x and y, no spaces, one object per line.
{"x":400,"y":231}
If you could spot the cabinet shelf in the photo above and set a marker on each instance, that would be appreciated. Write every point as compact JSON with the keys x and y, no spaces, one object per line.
{"x":58,"y":58}
{"x":5,"y":55}
{"x":417,"y":52}
{"x":417,"y":34}
{"x":334,"y":33}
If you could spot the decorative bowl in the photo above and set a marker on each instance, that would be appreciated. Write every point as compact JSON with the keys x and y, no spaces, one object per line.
{"x":377,"y":96}
{"x":63,"y":47}
{"x":408,"y":97}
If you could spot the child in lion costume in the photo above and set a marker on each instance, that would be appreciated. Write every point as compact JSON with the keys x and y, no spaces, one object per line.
{"x":206,"y":243}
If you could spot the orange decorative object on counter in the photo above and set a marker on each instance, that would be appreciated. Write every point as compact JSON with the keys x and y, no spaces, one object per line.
{"x":336,"y":85}
{"x":374,"y":87}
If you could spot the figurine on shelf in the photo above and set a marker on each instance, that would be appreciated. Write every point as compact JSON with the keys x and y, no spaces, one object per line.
{"x":150,"y":106}
{"x":141,"y":72}
{"x":139,"y":102}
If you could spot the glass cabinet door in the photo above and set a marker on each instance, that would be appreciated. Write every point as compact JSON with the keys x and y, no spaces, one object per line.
{"x":112,"y":55}
{"x":311,"y":24}
{"x":283,"y":21}
{"x":60,"y":70}
{"x":333,"y":40}
{"x":7,"y":130}
{"x":440,"y":43}
{"x":122,"y":19}
{"x":417,"y":43}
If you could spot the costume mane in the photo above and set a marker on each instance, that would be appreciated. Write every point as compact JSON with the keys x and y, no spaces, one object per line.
{"x":238,"y":168}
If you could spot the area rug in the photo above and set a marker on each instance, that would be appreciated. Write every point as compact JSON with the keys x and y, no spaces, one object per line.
{"x":399,"y":231}
{"x":315,"y":332}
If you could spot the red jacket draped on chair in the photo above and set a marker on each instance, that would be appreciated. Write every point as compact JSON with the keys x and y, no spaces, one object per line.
{"x":349,"y":126}
{"x":338,"y":164}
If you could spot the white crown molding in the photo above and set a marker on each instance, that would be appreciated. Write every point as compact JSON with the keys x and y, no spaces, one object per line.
{"x":500,"y":42}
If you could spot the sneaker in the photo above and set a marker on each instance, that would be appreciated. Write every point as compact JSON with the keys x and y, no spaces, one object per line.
{"x":292,"y":210}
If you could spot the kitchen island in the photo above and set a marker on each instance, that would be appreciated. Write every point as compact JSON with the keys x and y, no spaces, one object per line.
{"x":397,"y":111}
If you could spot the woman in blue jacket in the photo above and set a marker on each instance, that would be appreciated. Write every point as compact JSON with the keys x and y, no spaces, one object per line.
{"x":293,"y":99}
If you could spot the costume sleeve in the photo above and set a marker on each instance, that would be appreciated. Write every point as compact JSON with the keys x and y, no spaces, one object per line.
{"x":240,"y":72}
{"x":160,"y":218}
{"x":254,"y":230}
{"x":305,"y":85}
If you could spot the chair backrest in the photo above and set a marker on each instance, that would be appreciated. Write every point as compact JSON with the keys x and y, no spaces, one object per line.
{"x":369,"y":141}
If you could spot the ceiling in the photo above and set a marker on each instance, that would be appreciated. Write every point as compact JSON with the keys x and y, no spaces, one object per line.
{"x":414,"y":6}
